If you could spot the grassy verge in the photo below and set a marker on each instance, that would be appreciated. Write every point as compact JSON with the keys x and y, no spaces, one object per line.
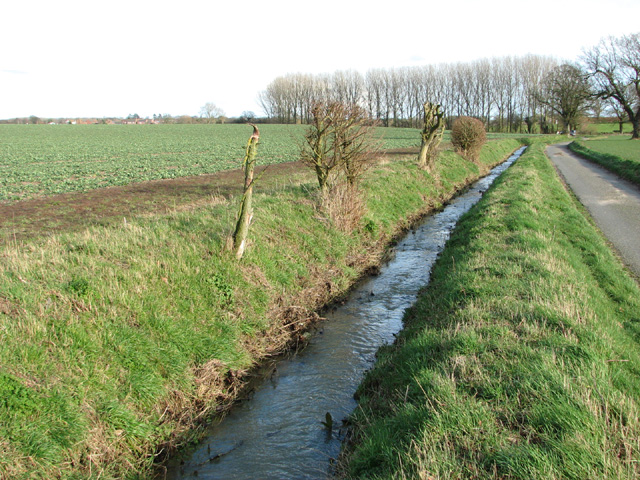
{"x":520,"y":359}
{"x":118,"y":341}
{"x":618,"y":155}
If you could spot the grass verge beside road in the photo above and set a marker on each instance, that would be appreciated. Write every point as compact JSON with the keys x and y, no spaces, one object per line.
{"x":118,"y":341}
{"x":520,"y":359}
{"x":620,"y":155}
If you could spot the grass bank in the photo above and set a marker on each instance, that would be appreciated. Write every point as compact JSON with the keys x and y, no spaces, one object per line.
{"x":520,"y":359}
{"x":117,"y":342}
{"x":620,"y":155}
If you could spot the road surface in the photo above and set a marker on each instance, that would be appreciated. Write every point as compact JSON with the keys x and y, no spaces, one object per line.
{"x":613,"y":203}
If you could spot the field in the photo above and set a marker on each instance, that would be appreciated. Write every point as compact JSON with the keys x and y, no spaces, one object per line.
{"x":618,"y":154}
{"x":613,"y":127}
{"x":617,"y":146}
{"x":42,"y":160}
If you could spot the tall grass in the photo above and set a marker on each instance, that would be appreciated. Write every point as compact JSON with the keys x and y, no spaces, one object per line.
{"x":117,"y":342}
{"x":520,"y":359}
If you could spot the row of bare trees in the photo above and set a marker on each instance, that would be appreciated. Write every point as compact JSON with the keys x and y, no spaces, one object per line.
{"x":508,"y":94}
{"x":499,"y":91}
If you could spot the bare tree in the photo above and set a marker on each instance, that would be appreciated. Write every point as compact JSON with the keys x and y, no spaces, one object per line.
{"x":210,"y":112}
{"x":614,"y":67}
{"x":354,"y":141}
{"x":534,"y":69}
{"x":347,"y":87}
{"x":317,"y":149}
{"x":498,"y":91}
{"x":612,"y":106}
{"x":339,"y":138}
{"x":374,"y":88}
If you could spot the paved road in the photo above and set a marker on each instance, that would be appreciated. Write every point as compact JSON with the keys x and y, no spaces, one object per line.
{"x":613,"y":203}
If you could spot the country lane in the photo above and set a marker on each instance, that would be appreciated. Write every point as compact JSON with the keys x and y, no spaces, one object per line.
{"x":613,"y":203}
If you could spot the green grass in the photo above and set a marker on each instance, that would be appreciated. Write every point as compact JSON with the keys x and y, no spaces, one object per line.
{"x":618,"y":154}
{"x":117,"y":341}
{"x":613,"y":127}
{"x":41,"y":160}
{"x":520,"y":360}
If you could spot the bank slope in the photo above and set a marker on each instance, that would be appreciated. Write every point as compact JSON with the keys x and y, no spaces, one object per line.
{"x":520,"y":360}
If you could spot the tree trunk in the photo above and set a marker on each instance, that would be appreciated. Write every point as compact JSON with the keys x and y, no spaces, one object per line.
{"x":323,"y":178}
{"x":431,"y":135}
{"x":246,"y":210}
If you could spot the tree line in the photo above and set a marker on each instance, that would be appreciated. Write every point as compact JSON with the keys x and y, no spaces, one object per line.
{"x":508,"y":94}
{"x":499,"y":91}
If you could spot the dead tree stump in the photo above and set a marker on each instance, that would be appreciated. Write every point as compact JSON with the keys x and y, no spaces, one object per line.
{"x":245,"y":214}
{"x":431,"y":135}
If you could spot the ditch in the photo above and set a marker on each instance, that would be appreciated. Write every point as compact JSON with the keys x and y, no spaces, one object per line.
{"x":291,"y":425}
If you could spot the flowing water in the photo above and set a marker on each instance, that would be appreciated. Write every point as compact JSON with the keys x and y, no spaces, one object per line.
{"x":278,"y":433}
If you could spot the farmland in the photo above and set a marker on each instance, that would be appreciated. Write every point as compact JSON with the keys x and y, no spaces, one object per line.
{"x":613,"y":127}
{"x":617,"y":146}
{"x":617,"y":154}
{"x":42,"y":160}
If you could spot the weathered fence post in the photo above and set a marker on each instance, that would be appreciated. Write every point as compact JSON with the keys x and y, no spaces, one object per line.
{"x":245,"y":213}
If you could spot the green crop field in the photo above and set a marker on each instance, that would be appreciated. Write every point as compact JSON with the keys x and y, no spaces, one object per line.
{"x":37,"y":160}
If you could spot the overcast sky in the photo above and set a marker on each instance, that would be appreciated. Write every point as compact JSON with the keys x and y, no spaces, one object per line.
{"x":97,"y":58}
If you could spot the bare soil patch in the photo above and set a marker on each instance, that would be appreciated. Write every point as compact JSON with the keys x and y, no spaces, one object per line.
{"x":75,"y":211}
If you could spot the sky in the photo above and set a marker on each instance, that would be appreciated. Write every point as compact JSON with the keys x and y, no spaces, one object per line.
{"x":98,"y":58}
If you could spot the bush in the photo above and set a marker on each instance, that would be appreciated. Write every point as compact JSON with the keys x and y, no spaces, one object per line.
{"x":468,"y":136}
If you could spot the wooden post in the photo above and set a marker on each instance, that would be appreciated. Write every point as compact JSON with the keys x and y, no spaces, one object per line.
{"x":245,"y":214}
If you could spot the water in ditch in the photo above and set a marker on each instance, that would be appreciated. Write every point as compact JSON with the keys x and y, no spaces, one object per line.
{"x":279,"y":433}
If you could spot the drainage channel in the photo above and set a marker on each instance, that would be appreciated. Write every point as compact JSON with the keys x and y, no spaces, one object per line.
{"x":281,"y":432}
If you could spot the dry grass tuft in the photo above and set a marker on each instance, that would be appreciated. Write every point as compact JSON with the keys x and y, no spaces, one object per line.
{"x":345,"y":205}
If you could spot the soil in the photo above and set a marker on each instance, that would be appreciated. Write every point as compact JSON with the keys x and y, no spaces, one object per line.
{"x":70,"y":212}
{"x":41,"y":217}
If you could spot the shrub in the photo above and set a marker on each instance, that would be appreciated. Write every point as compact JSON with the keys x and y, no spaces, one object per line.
{"x":468,"y":136}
